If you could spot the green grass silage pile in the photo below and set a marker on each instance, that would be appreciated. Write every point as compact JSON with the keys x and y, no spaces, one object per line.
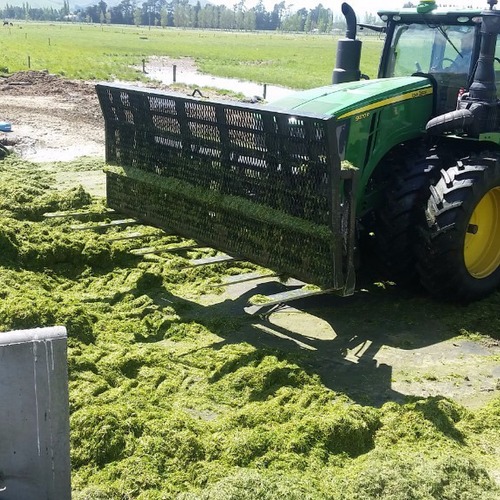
{"x":166,"y":404}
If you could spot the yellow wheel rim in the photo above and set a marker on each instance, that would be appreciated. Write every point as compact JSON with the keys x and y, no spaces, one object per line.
{"x":482,"y":240}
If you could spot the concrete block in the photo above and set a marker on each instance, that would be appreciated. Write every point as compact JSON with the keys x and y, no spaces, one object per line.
{"x":34,"y":415}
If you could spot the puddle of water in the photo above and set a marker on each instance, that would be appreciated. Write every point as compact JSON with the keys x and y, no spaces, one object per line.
{"x":249,"y":89}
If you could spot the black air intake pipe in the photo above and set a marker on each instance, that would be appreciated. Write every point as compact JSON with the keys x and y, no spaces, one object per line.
{"x":483,"y":87}
{"x":348,"y":51}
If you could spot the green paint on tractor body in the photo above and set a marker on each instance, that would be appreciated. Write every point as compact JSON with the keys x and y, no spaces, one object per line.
{"x":348,"y":98}
{"x":376,"y":115}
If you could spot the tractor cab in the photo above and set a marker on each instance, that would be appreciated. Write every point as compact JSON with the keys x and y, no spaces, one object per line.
{"x":435,"y":42}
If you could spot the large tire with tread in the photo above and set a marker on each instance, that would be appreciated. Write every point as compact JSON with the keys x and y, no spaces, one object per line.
{"x":403,"y":208}
{"x":459,"y":248}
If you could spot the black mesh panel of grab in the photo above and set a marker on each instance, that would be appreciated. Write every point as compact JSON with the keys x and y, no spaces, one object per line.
{"x":259,"y":183}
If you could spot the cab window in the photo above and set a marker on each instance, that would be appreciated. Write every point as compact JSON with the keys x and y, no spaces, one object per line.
{"x":431,"y":49}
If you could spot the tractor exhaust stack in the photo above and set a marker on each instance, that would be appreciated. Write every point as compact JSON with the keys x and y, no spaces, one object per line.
{"x":348,"y":51}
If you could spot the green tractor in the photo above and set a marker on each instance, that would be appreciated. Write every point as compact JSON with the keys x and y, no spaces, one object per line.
{"x":409,"y":161}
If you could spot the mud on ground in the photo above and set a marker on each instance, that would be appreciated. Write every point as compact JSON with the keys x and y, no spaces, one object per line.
{"x":52,"y":119}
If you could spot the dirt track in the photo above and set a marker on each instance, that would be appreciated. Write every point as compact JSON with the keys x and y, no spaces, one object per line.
{"x":52,"y":119}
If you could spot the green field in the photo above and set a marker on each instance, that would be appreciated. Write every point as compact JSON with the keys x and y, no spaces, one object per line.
{"x":92,"y":52}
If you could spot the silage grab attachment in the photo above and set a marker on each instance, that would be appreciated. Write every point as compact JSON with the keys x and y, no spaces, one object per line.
{"x":259,"y":184}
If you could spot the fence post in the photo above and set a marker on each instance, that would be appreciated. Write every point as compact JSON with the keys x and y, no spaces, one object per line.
{"x":174,"y":73}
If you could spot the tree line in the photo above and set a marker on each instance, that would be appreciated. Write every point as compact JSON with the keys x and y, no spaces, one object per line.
{"x":182,"y":14}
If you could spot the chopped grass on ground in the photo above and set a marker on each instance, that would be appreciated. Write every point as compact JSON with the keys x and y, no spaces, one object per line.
{"x":166,"y":402}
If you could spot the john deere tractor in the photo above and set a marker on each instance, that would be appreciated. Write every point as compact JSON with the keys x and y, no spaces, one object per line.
{"x":409,"y":161}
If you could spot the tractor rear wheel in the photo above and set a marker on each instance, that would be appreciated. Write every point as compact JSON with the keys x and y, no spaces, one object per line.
{"x":459,"y":248}
{"x":398,"y":217}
